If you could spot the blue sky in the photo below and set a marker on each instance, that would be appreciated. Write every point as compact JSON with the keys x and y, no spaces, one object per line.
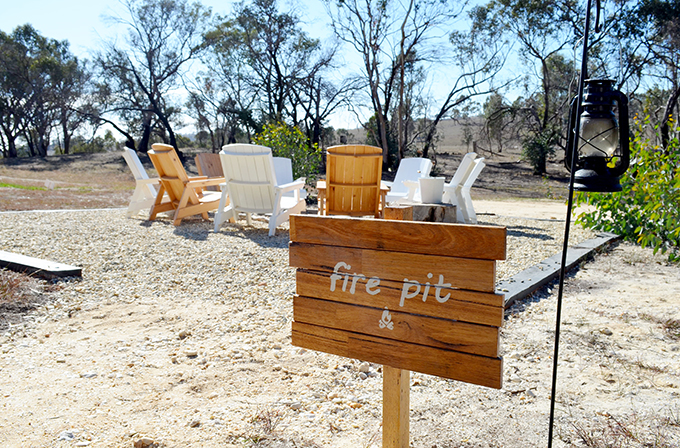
{"x":80,"y":21}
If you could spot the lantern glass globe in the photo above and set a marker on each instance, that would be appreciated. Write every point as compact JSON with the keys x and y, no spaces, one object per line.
{"x":599,"y":136}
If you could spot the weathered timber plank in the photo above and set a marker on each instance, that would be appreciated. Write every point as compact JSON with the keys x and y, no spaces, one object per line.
{"x":535,"y":277}
{"x":458,"y":366}
{"x":453,"y":240}
{"x":423,"y":330}
{"x":463,"y":305}
{"x":465,"y":273}
{"x":37,"y":266}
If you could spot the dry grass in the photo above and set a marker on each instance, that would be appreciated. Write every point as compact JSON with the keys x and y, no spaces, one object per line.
{"x":20,"y":294}
{"x":627,"y":431}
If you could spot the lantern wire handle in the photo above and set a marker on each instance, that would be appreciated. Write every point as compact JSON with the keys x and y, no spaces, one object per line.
{"x":570,"y":204}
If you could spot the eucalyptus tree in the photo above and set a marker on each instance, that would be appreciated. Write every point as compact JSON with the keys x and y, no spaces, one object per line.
{"x":271,"y":67}
{"x":70,"y":83}
{"x":544,"y":33}
{"x":40,"y":84}
{"x":403,"y":49}
{"x":655,"y":27}
{"x":215,"y":112}
{"x":139,"y":75}
{"x":15,"y":90}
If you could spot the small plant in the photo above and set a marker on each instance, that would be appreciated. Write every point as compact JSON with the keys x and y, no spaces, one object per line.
{"x":672,"y":327}
{"x":549,"y":194}
{"x":290,"y":142}
{"x":646,"y":212}
{"x":11,"y":287}
{"x":19,"y":294}
{"x":537,"y":148}
{"x":268,"y":419}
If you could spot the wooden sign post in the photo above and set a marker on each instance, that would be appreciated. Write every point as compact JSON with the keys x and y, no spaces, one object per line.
{"x":408,"y":295}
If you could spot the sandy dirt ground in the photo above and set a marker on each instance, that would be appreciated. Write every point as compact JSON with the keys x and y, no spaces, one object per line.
{"x":173,"y":368}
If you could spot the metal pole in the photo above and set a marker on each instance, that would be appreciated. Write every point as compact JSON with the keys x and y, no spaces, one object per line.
{"x":570,"y":203}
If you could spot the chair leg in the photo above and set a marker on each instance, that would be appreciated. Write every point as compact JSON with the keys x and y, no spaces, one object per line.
{"x":220,"y":214}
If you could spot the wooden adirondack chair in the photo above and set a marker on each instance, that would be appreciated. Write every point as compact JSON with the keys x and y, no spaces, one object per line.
{"x":208,"y":164}
{"x":410,"y":169}
{"x":252,"y":186}
{"x":185,"y":194}
{"x":146,"y":188}
{"x":352,"y":186}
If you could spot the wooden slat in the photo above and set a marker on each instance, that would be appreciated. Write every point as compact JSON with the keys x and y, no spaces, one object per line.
{"x":455,"y":240}
{"x":37,"y":266}
{"x":465,"y":367}
{"x":412,"y":328}
{"x":465,"y":273}
{"x":467,"y":306}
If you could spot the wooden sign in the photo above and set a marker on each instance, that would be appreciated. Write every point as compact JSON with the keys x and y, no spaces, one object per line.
{"x":410,"y":295}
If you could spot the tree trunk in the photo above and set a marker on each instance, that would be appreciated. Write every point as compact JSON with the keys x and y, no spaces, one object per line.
{"x":12,"y":148}
{"x":146,"y":134}
{"x":664,"y":128}
{"x":67,"y":137}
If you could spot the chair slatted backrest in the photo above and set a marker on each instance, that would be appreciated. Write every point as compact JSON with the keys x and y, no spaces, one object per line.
{"x":170,"y":171}
{"x":411,"y":168}
{"x":208,"y":164}
{"x":250,"y":177}
{"x":464,"y":169}
{"x":138,"y":170}
{"x":353,"y":174}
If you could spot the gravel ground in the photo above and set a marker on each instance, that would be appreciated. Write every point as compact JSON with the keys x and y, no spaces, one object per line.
{"x":178,"y":337}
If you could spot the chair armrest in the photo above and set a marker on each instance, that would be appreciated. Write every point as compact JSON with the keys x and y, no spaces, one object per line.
{"x":152,"y":180}
{"x":199,"y":182}
{"x":388,"y":183}
{"x":290,"y":186}
{"x":452,"y":188}
{"x":412,"y":186}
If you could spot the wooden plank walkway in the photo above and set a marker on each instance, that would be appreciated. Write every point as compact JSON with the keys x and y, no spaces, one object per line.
{"x":35,"y":266}
{"x":532,"y":279}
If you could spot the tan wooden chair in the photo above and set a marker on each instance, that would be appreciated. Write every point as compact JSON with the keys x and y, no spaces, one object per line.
{"x":208,"y":164}
{"x":185,"y":194}
{"x":353,"y":182}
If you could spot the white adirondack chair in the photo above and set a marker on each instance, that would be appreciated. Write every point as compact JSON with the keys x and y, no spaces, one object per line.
{"x":457,"y":192}
{"x":460,"y":195}
{"x":252,"y":186}
{"x":458,"y":178}
{"x":410,"y":169}
{"x":146,"y":188}
{"x":283,"y":168}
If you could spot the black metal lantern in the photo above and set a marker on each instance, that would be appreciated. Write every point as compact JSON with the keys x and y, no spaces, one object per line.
{"x":602,"y":153}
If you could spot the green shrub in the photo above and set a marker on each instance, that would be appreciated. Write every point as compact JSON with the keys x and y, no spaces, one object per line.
{"x":536,"y":148}
{"x":97,"y":144}
{"x":647,"y":211}
{"x":290,"y":142}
